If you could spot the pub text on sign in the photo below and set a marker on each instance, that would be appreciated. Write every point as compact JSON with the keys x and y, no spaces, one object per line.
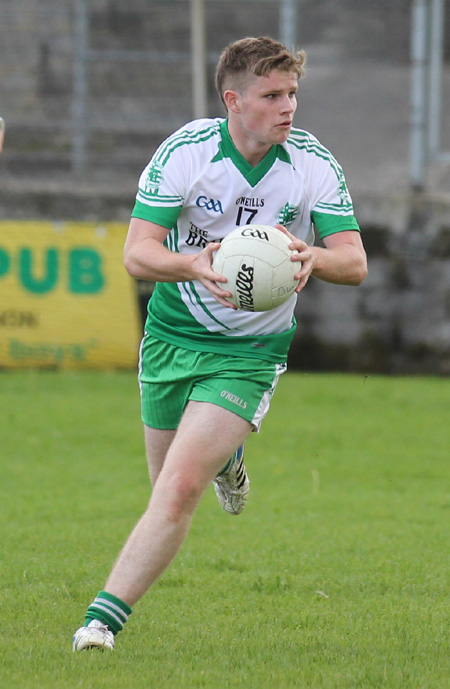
{"x":79,"y":270}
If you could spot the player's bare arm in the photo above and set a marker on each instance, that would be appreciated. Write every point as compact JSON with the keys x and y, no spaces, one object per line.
{"x":343,"y":261}
{"x":146,"y":258}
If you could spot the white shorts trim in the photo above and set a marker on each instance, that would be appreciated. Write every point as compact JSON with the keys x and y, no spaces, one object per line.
{"x":266,"y":399}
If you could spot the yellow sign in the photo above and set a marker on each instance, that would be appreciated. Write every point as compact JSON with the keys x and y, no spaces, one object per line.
{"x":66,"y":300}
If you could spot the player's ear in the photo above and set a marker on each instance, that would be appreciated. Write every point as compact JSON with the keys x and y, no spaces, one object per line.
{"x":232,"y":100}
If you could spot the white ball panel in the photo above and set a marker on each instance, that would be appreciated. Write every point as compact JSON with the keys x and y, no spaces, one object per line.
{"x":256,"y":261}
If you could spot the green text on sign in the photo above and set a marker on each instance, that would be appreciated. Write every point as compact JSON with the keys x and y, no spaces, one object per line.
{"x":84,"y":270}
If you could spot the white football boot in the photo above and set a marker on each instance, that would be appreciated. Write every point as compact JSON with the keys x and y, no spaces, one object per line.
{"x":95,"y":635}
{"x":233,"y":486}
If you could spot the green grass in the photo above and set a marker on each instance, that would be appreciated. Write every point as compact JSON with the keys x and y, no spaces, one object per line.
{"x":336,"y":576}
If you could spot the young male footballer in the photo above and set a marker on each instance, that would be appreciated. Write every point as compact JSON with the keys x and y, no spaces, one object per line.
{"x":208,"y":370}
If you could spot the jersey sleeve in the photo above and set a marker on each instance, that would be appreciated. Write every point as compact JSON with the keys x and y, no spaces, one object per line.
{"x":332,"y":206}
{"x":161,"y":188}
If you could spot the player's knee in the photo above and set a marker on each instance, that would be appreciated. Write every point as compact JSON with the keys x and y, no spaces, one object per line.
{"x":183,"y":491}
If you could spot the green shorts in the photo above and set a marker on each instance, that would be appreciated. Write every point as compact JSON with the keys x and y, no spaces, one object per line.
{"x":170,"y":376}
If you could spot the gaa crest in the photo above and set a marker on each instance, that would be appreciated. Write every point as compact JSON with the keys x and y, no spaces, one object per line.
{"x":154,"y":178}
{"x":343,"y":191}
{"x":287,"y":214}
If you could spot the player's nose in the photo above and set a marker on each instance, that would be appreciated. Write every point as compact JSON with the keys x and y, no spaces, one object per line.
{"x":289,"y":104}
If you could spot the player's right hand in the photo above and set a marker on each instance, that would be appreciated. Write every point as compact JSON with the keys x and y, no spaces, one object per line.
{"x":202,"y":267}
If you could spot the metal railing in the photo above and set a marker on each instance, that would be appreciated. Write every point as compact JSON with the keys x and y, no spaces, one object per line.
{"x":427,"y":58}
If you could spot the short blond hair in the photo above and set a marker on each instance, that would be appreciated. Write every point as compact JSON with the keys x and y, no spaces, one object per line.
{"x":255,"y":57}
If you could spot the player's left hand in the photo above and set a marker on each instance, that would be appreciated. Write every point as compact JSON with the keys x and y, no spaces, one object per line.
{"x":304,"y":255}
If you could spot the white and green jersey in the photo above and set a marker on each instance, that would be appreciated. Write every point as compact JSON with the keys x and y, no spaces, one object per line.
{"x":200,"y":187}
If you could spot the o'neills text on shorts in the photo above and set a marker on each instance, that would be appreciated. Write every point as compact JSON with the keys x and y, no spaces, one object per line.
{"x":234,"y":399}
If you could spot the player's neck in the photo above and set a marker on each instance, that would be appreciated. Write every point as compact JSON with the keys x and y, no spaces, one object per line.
{"x":252,"y":150}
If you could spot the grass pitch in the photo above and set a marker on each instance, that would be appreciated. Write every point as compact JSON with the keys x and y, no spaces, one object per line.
{"x":336,"y":576}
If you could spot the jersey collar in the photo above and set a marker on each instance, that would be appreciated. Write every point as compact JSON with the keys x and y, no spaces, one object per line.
{"x":253,"y":175}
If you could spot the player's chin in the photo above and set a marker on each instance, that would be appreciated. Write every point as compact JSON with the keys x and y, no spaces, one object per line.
{"x":282,"y":132}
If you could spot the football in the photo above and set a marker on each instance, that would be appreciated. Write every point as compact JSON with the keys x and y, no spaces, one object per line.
{"x":255,"y":259}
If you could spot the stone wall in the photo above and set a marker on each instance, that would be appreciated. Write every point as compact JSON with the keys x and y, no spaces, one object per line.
{"x":398,"y":321}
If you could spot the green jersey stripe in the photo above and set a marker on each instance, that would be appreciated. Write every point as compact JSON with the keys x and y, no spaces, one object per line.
{"x":206,"y":310}
{"x":303,"y":141}
{"x":336,"y":207}
{"x":179,"y":135}
{"x":157,"y":198}
{"x":183,"y":138}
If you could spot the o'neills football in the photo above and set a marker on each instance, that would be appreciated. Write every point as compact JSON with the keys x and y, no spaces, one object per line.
{"x":255,"y":259}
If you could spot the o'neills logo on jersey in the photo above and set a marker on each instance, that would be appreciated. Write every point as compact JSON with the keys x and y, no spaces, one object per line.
{"x":244,"y":287}
{"x":249,"y":202}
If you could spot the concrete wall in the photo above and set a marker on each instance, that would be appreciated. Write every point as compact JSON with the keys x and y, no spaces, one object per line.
{"x":398,"y":321}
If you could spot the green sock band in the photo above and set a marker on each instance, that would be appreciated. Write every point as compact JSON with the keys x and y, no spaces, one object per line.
{"x":108,"y":609}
